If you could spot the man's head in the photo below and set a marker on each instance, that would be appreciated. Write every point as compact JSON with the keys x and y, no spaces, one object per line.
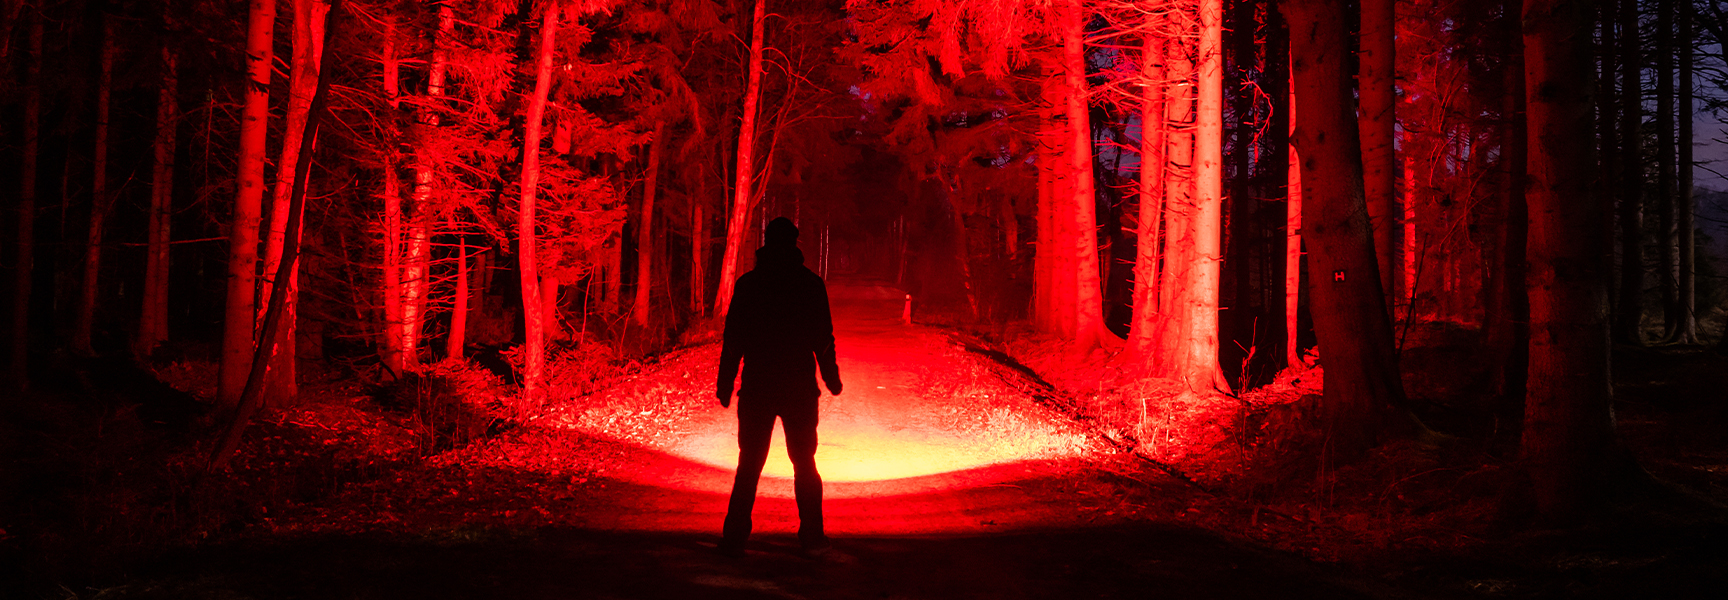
{"x":781,"y":232}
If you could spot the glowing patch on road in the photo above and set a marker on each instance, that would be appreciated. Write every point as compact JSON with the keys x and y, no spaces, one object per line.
{"x":853,"y":452}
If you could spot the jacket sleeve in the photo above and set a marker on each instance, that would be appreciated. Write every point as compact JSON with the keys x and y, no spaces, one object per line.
{"x":825,"y":339}
{"x":732,"y":340}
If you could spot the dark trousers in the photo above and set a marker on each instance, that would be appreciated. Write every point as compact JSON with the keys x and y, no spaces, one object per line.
{"x":755,"y":432}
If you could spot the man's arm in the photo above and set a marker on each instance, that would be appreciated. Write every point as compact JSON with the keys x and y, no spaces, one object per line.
{"x":825,"y":341}
{"x":731,"y":348}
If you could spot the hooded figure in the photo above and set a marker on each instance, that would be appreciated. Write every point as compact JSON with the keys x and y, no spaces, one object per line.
{"x":779,"y":325}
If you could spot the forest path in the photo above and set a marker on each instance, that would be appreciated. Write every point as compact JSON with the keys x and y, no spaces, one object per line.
{"x":943,"y":481}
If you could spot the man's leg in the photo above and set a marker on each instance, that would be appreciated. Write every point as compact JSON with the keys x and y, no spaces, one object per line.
{"x":755,"y":431}
{"x":800,"y":426}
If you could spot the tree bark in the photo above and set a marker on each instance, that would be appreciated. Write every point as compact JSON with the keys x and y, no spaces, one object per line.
{"x":1354,"y":331}
{"x":1089,"y":332}
{"x":417,"y":246}
{"x":533,"y":317}
{"x":238,"y":314}
{"x":459,"y":300}
{"x":1376,"y":65}
{"x":252,"y":393}
{"x":1179,"y":249}
{"x":1293,"y":242}
{"x":19,"y":368}
{"x":1631,"y":178}
{"x":85,"y":321}
{"x":1686,"y":332}
{"x":153,"y":319}
{"x":743,"y":189}
{"x":281,"y":380}
{"x":1506,"y":314}
{"x":1668,"y":273}
{"x":645,"y":243}
{"x":1143,"y":330}
{"x":390,"y":342}
{"x":1568,"y":419}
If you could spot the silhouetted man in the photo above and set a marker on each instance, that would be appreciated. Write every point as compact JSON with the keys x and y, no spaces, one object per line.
{"x":779,"y":325}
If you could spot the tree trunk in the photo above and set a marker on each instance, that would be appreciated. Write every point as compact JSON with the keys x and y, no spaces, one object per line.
{"x":1376,"y":63}
{"x":1668,"y":273}
{"x":698,"y":256}
{"x":743,"y":188}
{"x":1686,"y":332}
{"x":645,"y":244}
{"x":238,"y":314}
{"x":85,"y":320}
{"x":1354,"y":331}
{"x":22,"y":274}
{"x":1631,"y":178}
{"x":533,"y":317}
{"x":417,"y":247}
{"x":1179,"y":249}
{"x":1506,"y":314}
{"x":1293,"y":241}
{"x":252,"y":391}
{"x":153,"y":320}
{"x":390,"y":342}
{"x":1143,"y":330}
{"x":459,"y":301}
{"x":1568,"y":419}
{"x":1089,"y":332}
{"x":280,"y":383}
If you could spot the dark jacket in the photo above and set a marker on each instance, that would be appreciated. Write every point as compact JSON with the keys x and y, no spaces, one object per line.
{"x":779,"y":325}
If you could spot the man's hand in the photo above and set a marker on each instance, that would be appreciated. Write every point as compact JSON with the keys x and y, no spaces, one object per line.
{"x":724,"y":393}
{"x":833,"y":385}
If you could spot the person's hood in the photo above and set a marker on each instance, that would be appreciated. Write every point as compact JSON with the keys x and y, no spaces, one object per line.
{"x":778,"y":256}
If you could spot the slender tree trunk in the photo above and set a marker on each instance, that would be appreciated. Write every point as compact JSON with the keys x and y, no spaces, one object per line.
{"x":1143,"y":331}
{"x":1376,"y":63}
{"x":1607,"y":105}
{"x":459,"y":302}
{"x":1506,"y":314}
{"x":1568,"y":419}
{"x":1180,"y":251}
{"x":22,"y":274}
{"x":238,"y":315}
{"x":744,"y":183}
{"x":1354,"y":331}
{"x":1686,"y":332}
{"x":1631,"y":178}
{"x":1292,"y":242}
{"x":645,"y":243}
{"x":85,"y":320}
{"x":281,"y":380}
{"x":253,"y":390}
{"x":533,"y":315}
{"x":417,"y":246}
{"x":390,"y":342}
{"x":153,"y":322}
{"x":1667,"y":251}
{"x":1088,"y":296}
{"x":1055,"y":284}
{"x":698,"y":256}
{"x":1194,"y":307}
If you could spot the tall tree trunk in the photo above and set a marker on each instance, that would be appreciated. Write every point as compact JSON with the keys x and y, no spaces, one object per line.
{"x":1354,"y":331}
{"x":533,"y":316}
{"x":252,"y":392}
{"x":281,"y":380}
{"x":1631,"y":179}
{"x":1568,"y":419}
{"x":698,"y":256}
{"x":390,"y":342}
{"x":645,"y":243}
{"x":743,"y":189}
{"x":1054,"y":283}
{"x":459,"y":302}
{"x":1686,"y":332}
{"x":1179,"y":250}
{"x":1668,"y":273}
{"x":85,"y":320}
{"x":1143,"y":330}
{"x":238,"y":314}
{"x":1292,"y":241}
{"x":1506,"y":314}
{"x":1377,"y":62}
{"x":19,"y":367}
{"x":153,"y":320}
{"x":1089,"y":329}
{"x":417,"y":246}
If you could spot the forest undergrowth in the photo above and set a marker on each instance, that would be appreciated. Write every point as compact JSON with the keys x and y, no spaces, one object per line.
{"x":1448,"y":505}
